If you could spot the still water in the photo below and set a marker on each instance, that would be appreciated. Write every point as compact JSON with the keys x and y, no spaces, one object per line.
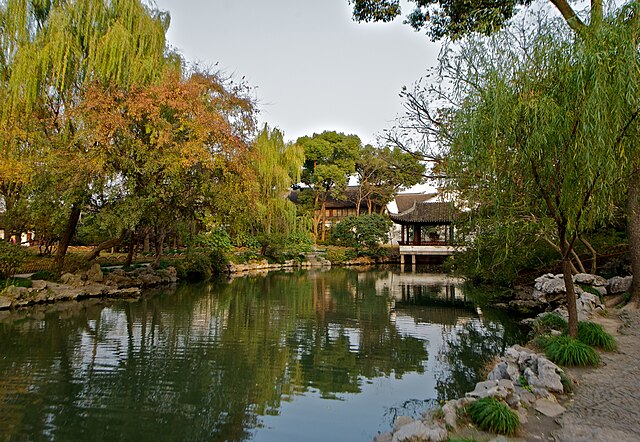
{"x":303,"y":356}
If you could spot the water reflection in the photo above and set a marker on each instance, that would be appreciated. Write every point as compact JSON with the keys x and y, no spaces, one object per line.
{"x":284,"y":356}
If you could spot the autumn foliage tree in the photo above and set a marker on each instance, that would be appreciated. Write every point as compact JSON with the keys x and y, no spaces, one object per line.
{"x":167,"y":147}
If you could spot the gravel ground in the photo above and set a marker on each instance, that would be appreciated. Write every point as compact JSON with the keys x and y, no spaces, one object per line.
{"x":606,"y":403}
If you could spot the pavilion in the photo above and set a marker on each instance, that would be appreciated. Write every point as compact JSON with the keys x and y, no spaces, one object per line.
{"x":426,"y":230}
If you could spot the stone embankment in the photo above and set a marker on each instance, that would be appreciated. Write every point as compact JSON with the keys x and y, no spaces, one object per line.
{"x":549,"y":294}
{"x":93,"y":283}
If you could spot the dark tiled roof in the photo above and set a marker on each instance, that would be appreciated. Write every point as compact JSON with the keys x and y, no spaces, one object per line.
{"x":427,"y":213}
{"x":347,"y":201}
{"x":404,"y":201}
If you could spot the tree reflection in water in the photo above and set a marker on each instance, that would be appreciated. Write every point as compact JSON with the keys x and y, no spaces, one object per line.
{"x":206,"y":361}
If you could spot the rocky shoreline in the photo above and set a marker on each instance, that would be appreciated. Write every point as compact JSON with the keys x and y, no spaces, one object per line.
{"x":117,"y":283}
{"x":94,"y":283}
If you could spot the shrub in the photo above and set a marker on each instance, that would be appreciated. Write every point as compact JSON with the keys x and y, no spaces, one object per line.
{"x":218,"y":261}
{"x":593,"y":334}
{"x":490,"y":414}
{"x":336,"y":256}
{"x":217,"y":239}
{"x":46,"y":275}
{"x":365,"y":231}
{"x":564,"y":350}
{"x":195,"y":265}
{"x":18,"y":282}
{"x":11,"y":258}
{"x":548,"y":322}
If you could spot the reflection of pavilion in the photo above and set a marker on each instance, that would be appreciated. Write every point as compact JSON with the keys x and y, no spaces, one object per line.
{"x":427,"y":297}
{"x":404,"y":286}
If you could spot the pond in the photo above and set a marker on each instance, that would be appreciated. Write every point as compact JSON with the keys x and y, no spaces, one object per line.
{"x":308,"y":355}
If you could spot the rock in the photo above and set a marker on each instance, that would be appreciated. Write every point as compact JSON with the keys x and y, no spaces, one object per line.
{"x":38,"y":284}
{"x":522,"y":414}
{"x":497,"y":388}
{"x":383,"y":437}
{"x":450,"y":414}
{"x":401,"y":421}
{"x":523,"y":292}
{"x":528,"y":322}
{"x":550,"y":284}
{"x":526,"y":397}
{"x":513,"y":399}
{"x":498,"y":372}
{"x":589,"y":279}
{"x":94,"y":274}
{"x":5,"y":303}
{"x":417,"y":430}
{"x":549,"y":375}
{"x":549,"y":408}
{"x":618,"y":284}
{"x":72,"y":280}
{"x":529,"y":306}
{"x":13,"y":292}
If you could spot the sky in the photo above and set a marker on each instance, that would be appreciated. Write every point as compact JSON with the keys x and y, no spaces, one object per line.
{"x":313,"y":68}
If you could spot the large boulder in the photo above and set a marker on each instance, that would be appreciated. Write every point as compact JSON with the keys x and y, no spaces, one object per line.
{"x":94,"y":274}
{"x":619,"y":284}
{"x":547,"y":376}
{"x":72,"y":280}
{"x":589,"y":279}
{"x":5,"y":302}
{"x":498,"y":388}
{"x":419,"y":431}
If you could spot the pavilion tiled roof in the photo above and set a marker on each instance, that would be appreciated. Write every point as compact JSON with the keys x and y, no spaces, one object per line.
{"x":405,"y":201}
{"x":427,"y":213}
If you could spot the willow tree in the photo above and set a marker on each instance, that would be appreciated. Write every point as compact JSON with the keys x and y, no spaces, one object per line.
{"x":277,"y":166}
{"x":51,"y":52}
{"x":537,"y":130}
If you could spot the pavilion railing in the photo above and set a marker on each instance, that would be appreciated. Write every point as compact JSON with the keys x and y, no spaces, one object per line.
{"x":424,"y":243}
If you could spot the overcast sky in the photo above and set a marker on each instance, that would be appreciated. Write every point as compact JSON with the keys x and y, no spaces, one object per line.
{"x":313,"y":67}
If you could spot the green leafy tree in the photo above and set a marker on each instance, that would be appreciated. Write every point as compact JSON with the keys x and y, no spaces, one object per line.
{"x":330,"y":159}
{"x":382,"y":172}
{"x":366,"y":231}
{"x":457,"y":18}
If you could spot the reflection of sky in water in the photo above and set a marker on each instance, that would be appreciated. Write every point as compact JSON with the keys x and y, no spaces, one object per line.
{"x":353,"y":417}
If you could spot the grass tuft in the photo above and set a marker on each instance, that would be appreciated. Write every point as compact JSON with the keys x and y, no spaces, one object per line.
{"x":564,"y":350}
{"x":593,"y":334}
{"x":490,"y":414}
{"x":548,"y":322}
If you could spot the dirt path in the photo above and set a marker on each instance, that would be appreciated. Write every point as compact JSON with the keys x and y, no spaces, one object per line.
{"x":606,"y":404}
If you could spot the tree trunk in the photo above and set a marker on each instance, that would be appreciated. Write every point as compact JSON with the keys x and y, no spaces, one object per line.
{"x":67,"y":236}
{"x":633,"y":231}
{"x":132,"y":247}
{"x":571,"y":297}
{"x":109,"y":244}
{"x":159,"y":245}
{"x":145,"y":248}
